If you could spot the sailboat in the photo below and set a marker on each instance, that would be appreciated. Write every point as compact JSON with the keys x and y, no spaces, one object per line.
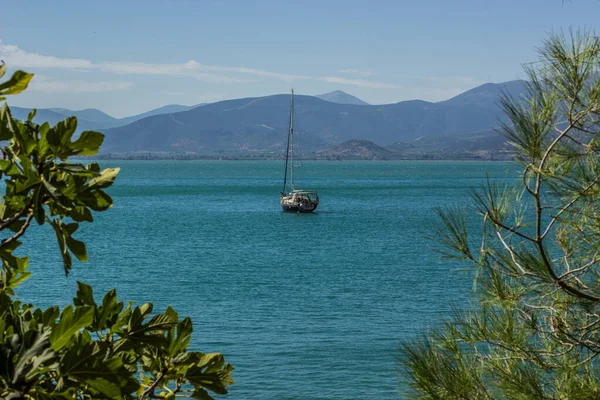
{"x":295,"y":200}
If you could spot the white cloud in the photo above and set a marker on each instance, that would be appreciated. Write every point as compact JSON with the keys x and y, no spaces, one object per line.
{"x":359,"y":82}
{"x":256,"y":72}
{"x":357,"y":71}
{"x":194,"y":69}
{"x":16,"y":57}
{"x":52,"y":86}
{"x":191,"y":69}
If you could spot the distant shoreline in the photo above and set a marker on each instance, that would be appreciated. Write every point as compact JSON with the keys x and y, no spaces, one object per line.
{"x":196,"y":157}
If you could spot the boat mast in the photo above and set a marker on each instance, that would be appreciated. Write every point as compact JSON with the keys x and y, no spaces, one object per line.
{"x":292,"y":137}
{"x":287,"y":152}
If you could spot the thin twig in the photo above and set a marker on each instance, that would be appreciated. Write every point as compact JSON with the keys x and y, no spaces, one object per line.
{"x":20,"y":233}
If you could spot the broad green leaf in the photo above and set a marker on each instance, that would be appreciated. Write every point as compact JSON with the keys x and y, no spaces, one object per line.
{"x":86,"y":360}
{"x":97,"y":200}
{"x":8,"y":248}
{"x":211,"y":362}
{"x":108,"y":313}
{"x":25,"y":138}
{"x":77,"y":248}
{"x":50,"y":315}
{"x":109,"y":389}
{"x":201,"y":394}
{"x":7,"y":129}
{"x":181,"y":337}
{"x":16,"y":84}
{"x":84,"y":296}
{"x":70,"y":228}
{"x":43,"y":145}
{"x":69,"y":324}
{"x":214,"y":381}
{"x":76,"y":169}
{"x":13,"y":277}
{"x":8,"y":167}
{"x":53,"y":139}
{"x":80,"y":214}
{"x":33,"y":355}
{"x":106,"y":178}
{"x":59,"y":137}
{"x":138,"y":314}
{"x":160,"y":322}
{"x":157,"y":324}
{"x":88,"y":143}
{"x":31,"y":115}
{"x":61,"y":240}
{"x":22,"y":187}
{"x":39,"y":211}
{"x":93,"y":167}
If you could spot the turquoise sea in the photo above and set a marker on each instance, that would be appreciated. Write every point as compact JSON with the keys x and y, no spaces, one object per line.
{"x":306,"y":306}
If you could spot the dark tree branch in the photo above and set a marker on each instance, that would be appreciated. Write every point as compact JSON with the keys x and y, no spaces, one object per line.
{"x":150,"y":391}
{"x":8,"y":222}
{"x":18,"y":234}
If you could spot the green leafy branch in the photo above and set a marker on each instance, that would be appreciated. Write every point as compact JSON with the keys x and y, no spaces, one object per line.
{"x":88,"y":350}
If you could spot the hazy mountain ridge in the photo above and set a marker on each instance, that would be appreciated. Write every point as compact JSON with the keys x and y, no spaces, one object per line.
{"x":89,"y":114}
{"x":483,"y":146}
{"x":92,"y":118}
{"x":488,"y":94}
{"x":168,"y":109}
{"x":259,"y":125}
{"x":340,"y":97}
{"x":52,"y":117}
{"x":356,"y":149}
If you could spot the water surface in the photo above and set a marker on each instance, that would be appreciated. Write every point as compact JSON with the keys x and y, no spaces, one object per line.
{"x":305,"y":306}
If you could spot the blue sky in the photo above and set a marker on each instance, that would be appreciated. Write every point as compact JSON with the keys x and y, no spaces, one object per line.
{"x":126,"y":57}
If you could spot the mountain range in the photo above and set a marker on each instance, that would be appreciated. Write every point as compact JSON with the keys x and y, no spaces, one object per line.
{"x":337,"y":96}
{"x":258,"y":125}
{"x":92,"y":118}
